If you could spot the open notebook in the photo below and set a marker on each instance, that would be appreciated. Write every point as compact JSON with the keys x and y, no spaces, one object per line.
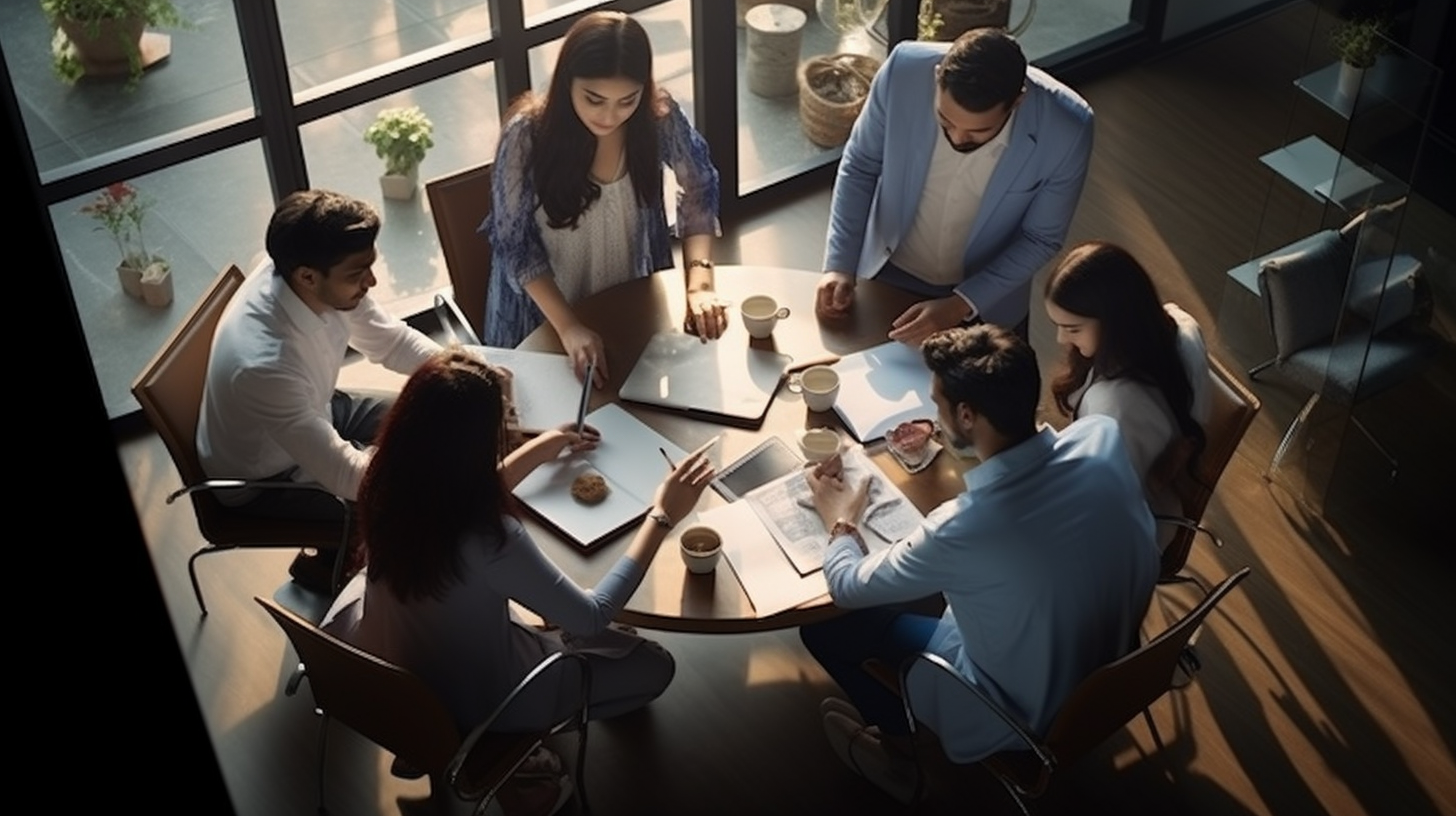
{"x":629,"y":462}
{"x":538,"y":381}
{"x":881,"y":387}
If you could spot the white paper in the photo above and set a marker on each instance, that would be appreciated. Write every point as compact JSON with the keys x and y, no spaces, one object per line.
{"x":541,"y":382}
{"x":770,"y":581}
{"x":881,"y":387}
{"x":786,"y":509}
{"x":628,"y":461}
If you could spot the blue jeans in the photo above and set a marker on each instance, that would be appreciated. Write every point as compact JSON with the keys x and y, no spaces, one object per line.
{"x":885,"y":633}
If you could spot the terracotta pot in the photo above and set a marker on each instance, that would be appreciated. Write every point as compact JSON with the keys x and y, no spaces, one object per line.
{"x":156,"y":285}
{"x":131,"y":279}
{"x":110,"y":51}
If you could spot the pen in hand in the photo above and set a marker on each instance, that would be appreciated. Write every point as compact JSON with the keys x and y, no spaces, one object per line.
{"x":586,"y":387}
{"x":701,"y":449}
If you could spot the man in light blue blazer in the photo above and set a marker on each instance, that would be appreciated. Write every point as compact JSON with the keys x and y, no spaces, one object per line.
{"x":958,"y":183}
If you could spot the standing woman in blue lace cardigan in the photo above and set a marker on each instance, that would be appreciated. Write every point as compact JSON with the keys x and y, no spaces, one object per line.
{"x":578,"y":199}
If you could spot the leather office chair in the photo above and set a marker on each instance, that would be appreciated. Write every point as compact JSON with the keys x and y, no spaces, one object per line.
{"x":1326,"y":341}
{"x":169,"y":390}
{"x":1232,"y":410}
{"x":459,"y":203}
{"x":1099,"y":707}
{"x":396,"y":710}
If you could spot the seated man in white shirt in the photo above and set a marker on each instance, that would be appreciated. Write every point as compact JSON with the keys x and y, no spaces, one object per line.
{"x":1047,"y":562}
{"x":270,"y":409}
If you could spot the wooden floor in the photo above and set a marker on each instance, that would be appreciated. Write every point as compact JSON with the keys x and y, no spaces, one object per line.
{"x":1326,"y":684}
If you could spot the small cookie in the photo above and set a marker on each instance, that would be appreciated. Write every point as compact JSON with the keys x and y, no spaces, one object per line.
{"x":589,"y":488}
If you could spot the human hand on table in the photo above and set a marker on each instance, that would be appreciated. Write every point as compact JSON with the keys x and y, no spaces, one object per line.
{"x":928,"y":317}
{"x":707,"y":316}
{"x":834,"y":296}
{"x":834,"y":498}
{"x":582,"y":347}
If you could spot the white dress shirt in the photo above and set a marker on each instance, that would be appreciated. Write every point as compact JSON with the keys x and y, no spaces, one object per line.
{"x":271,"y":377}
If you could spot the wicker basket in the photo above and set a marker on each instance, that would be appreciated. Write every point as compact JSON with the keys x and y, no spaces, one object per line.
{"x":832,"y":89}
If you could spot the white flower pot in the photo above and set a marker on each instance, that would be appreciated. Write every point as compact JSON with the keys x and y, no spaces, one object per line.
{"x":400,"y":188}
{"x":1348,"y":85}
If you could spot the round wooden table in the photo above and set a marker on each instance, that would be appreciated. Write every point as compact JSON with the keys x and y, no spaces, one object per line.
{"x":627,"y":316}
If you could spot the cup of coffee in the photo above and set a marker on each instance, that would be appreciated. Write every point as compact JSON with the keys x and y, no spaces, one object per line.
{"x":760,"y":314}
{"x":701,"y":548}
{"x":819,"y":444}
{"x":820,"y":385}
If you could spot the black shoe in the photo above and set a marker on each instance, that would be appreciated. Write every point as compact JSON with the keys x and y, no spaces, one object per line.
{"x":314,"y":571}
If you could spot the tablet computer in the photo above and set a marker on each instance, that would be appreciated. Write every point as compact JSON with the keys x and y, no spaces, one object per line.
{"x":769,"y":460}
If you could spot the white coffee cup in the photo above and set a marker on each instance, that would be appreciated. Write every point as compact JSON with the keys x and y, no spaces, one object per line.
{"x":819,"y":444}
{"x":701,"y":547}
{"x":820,"y":385}
{"x":760,"y":314}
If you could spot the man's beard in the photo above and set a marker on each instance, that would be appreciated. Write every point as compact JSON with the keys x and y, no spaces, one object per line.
{"x":969,"y":147}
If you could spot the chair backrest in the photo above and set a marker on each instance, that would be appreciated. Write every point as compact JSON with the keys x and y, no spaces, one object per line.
{"x":169,"y":389}
{"x":387,"y":704}
{"x":1232,"y":407}
{"x":1111,"y":696}
{"x":1304,"y":292}
{"x":460,"y":203}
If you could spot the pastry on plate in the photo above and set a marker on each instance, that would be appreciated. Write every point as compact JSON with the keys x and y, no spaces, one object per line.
{"x":913,"y":443}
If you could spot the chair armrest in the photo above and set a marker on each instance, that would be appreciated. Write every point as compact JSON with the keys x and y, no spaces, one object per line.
{"x":463,"y":754}
{"x":1188,"y":524}
{"x":239,"y":484}
{"x":447,"y":311}
{"x":1022,"y":731}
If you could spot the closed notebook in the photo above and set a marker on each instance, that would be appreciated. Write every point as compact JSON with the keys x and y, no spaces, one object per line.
{"x":723,"y":380}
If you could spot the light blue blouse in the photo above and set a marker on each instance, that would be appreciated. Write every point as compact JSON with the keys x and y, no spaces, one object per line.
{"x":518,"y":254}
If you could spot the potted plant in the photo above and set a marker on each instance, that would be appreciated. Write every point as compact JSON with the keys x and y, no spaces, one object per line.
{"x":121,"y":211}
{"x":105,"y":37}
{"x":401,"y":136}
{"x":1359,"y":42}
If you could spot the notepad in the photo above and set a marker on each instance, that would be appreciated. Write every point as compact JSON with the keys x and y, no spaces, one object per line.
{"x":628,"y":461}
{"x":723,"y":380}
{"x":881,"y":387}
{"x":538,"y":381}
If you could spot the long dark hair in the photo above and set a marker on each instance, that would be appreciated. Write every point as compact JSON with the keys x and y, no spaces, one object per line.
{"x":601,"y":45}
{"x":1136,"y":337}
{"x":434,"y":477}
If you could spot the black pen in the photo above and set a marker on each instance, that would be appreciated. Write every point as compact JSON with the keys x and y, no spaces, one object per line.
{"x":586,"y":386}
{"x":670,"y":465}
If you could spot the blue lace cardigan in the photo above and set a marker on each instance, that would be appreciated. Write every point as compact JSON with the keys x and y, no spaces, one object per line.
{"x":518,"y":255}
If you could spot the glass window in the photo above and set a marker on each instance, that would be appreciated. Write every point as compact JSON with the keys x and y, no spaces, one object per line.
{"x":201,"y":78}
{"x":182,"y":212}
{"x":326,"y":41}
{"x":781,"y":129}
{"x":465,"y":127}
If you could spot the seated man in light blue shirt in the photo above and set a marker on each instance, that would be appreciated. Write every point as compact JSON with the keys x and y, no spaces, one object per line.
{"x":1047,"y":562}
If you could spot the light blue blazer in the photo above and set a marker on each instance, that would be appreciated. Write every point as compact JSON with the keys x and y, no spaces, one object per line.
{"x":1028,"y":204}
